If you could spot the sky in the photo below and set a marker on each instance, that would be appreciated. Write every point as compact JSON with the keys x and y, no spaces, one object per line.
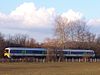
{"x":36,"y":17}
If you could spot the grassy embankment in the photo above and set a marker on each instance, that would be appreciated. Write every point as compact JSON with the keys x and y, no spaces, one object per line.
{"x":50,"y":68}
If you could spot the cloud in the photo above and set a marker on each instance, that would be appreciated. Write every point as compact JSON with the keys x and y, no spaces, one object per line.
{"x":94,"y":25}
{"x":72,"y":15}
{"x":30,"y":16}
{"x":27,"y":15}
{"x":27,"y":18}
{"x":94,"y":22}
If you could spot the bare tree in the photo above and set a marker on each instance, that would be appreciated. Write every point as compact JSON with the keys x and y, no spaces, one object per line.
{"x":2,"y":40}
{"x":74,"y":32}
{"x":98,"y":39}
{"x":31,"y":42}
{"x":52,"y":47}
{"x":61,"y":34}
{"x":20,"y":39}
{"x":2,"y":44}
{"x":17,"y":40}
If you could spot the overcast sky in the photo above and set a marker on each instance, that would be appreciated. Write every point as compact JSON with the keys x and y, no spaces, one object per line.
{"x":36,"y":17}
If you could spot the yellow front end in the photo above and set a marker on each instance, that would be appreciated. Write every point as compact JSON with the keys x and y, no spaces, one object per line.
{"x":7,"y":54}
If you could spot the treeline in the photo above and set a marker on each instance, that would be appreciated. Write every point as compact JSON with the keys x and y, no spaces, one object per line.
{"x":68,"y":35}
{"x":72,"y":35}
{"x":17,"y":40}
{"x":23,"y":40}
{"x":75,"y":35}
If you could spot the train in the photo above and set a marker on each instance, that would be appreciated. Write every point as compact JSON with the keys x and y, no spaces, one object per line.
{"x":11,"y":52}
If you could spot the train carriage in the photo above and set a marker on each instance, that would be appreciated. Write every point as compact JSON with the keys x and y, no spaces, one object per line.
{"x":42,"y":52}
{"x":78,"y":53}
{"x":24,"y":52}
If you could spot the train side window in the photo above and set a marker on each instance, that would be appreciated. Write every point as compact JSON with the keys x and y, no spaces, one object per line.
{"x":66,"y":52}
{"x":90,"y":53}
{"x":43,"y":52}
{"x":29,"y":51}
{"x":77,"y":52}
{"x":15,"y":51}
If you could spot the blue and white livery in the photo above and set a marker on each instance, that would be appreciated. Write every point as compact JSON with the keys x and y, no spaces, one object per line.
{"x":42,"y":52}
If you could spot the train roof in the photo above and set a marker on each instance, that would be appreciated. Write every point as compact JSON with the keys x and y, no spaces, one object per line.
{"x":80,"y":50}
{"x":22,"y":48}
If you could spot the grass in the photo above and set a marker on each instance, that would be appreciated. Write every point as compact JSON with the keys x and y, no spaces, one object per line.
{"x":50,"y":68}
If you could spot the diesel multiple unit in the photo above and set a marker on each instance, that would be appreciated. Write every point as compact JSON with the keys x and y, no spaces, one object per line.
{"x":42,"y":52}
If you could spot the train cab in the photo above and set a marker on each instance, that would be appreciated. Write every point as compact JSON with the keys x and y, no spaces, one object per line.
{"x":6,"y":53}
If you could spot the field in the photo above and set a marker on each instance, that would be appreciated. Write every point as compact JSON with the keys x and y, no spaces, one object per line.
{"x":65,"y":68}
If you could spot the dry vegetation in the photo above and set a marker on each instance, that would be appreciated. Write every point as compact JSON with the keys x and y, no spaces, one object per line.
{"x":50,"y":68}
